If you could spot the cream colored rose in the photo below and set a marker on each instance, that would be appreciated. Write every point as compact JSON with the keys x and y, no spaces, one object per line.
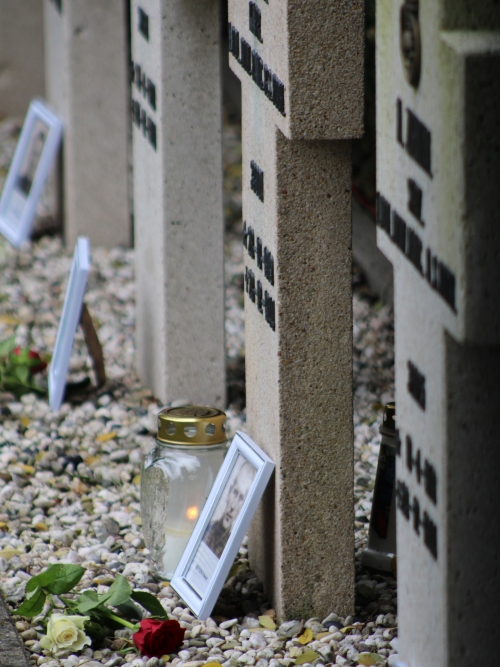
{"x":65,"y":632}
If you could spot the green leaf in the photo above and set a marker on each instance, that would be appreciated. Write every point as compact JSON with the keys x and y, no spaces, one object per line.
{"x":151,"y":603}
{"x":66,"y":578}
{"x":130,"y":610}
{"x":32,"y":606}
{"x":6,"y":346}
{"x":22,"y":373}
{"x":90,"y":600}
{"x":44,"y":578}
{"x":119,"y":591}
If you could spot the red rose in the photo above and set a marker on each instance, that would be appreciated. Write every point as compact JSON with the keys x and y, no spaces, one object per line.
{"x":156,"y":638}
{"x":36,"y":368}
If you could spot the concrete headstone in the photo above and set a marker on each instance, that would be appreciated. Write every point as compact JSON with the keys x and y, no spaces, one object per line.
{"x":438,"y":147}
{"x":22,"y":75}
{"x":178,"y":209}
{"x":86,"y":64}
{"x":301,"y":69}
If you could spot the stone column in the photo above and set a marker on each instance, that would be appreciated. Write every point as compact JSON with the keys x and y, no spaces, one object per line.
{"x":438,"y":142}
{"x":22,"y":73}
{"x":178,"y":213}
{"x":86,"y":56}
{"x":301,"y":70}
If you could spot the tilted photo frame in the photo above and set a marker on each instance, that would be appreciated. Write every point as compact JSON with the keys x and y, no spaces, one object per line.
{"x":35,"y":151}
{"x":222,"y":525}
{"x":70,"y":318}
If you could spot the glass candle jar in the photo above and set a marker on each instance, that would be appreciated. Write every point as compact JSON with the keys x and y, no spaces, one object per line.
{"x":177,"y":476}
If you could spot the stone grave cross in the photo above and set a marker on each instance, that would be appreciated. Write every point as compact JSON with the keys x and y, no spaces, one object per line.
{"x":301,"y":69}
{"x":438,"y":169}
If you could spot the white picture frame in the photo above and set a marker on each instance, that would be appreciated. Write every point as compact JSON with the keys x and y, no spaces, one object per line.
{"x":222,"y":525}
{"x":30,"y":166}
{"x":68,"y":323}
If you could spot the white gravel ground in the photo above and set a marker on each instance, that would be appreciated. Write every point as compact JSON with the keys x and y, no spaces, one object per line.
{"x":69,"y":480}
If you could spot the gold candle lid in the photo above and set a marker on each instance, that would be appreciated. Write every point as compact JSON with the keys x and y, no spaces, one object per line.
{"x":191,"y":425}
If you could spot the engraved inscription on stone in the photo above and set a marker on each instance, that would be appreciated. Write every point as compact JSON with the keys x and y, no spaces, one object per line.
{"x":265,"y":261}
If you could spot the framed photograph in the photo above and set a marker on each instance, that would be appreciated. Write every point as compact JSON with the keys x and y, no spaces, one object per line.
{"x":222,"y":525}
{"x":37,"y":146}
{"x":72,"y":308}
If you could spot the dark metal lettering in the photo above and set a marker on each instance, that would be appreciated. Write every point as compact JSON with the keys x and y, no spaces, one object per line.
{"x":430,"y":478}
{"x":251,"y":243}
{"x":234,"y":41}
{"x":255,"y":20}
{"x":430,"y":535}
{"x":399,"y":231}
{"x":269,"y":265}
{"x":383,"y":213}
{"x":416,"y":515}
{"x":260,"y":300}
{"x":418,"y":141}
{"x":416,"y":384}
{"x":270,"y":311}
{"x":259,"y":252}
{"x":246,"y":56}
{"x":143,"y":23}
{"x":414,"y":248}
{"x":257,"y":69}
{"x":399,"y":121}
{"x":257,"y":180}
{"x":58,"y":5}
{"x":415,"y":200}
{"x":403,"y":498}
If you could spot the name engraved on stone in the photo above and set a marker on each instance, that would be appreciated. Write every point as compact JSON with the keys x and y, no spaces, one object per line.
{"x":416,"y":384}
{"x":254,"y":66}
{"x":257,"y":180}
{"x":141,"y":119}
{"x":145,"y":86}
{"x":250,"y":283}
{"x":58,"y":5}
{"x":412,"y":508}
{"x":415,"y":197}
{"x":255,"y":21}
{"x":143,"y":24}
{"x":437,"y":274}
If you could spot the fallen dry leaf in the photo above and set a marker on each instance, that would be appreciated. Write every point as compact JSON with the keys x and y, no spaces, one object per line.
{"x":307,"y":656}
{"x":306,"y":636}
{"x":104,"y":437}
{"x":267,"y":622}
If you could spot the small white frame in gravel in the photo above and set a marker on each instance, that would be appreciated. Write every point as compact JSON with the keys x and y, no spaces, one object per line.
{"x":70,"y":318}
{"x":222,"y":525}
{"x":37,"y":145}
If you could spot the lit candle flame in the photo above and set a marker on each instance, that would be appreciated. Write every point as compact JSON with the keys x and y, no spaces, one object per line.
{"x":192,"y":513}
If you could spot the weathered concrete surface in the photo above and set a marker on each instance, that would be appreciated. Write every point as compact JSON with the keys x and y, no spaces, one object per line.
{"x":86,"y":61}
{"x":178,"y":203}
{"x":22,"y":75}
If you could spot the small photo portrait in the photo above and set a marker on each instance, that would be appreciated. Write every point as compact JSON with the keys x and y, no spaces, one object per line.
{"x":32,"y":156}
{"x":219,"y":529}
